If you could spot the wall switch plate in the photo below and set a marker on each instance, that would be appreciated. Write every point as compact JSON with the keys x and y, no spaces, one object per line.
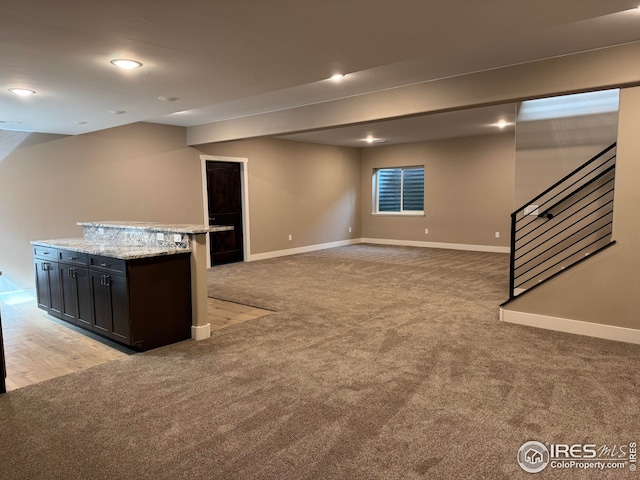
{"x":497,"y":234}
{"x":290,"y":237}
{"x":160,"y":236}
{"x":426,"y":231}
{"x":177,"y":238}
{"x":532,"y":210}
{"x":349,"y":229}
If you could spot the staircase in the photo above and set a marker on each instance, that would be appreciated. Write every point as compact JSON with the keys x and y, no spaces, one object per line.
{"x":563,"y":225}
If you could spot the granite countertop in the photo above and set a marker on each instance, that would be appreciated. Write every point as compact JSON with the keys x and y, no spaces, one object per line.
{"x":159,"y":227}
{"x":123,"y":252}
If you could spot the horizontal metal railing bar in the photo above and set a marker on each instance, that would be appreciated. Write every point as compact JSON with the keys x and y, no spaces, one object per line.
{"x":574,"y":243}
{"x":563,"y":240}
{"x":515,"y":268}
{"x":579,"y":189}
{"x":540,"y":207}
{"x":596,"y":190}
{"x":564,"y":220}
{"x":542,"y":224}
{"x":559,"y":262}
{"x":586,"y":164}
{"x":553,"y":275}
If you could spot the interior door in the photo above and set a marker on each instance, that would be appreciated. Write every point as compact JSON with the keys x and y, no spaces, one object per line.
{"x":224,"y":193}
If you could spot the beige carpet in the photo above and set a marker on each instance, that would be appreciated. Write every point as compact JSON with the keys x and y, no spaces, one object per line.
{"x":380,"y":363}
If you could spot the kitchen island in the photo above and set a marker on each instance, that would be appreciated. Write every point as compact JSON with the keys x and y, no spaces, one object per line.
{"x":141,"y":284}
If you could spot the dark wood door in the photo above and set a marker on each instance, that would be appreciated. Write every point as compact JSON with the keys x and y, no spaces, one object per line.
{"x":224,"y":193}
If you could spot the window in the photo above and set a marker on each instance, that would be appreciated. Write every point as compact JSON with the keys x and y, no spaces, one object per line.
{"x":399,"y":190}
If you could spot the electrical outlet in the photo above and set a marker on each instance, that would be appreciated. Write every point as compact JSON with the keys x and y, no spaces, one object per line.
{"x":497,"y":234}
{"x":290,"y":237}
{"x":426,"y":231}
{"x":100,"y":231}
{"x":177,"y":238}
{"x":160,"y":236}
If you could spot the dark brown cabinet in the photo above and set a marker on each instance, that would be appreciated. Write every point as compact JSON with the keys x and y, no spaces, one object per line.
{"x":74,"y":288}
{"x":110,"y":312}
{"x":47,"y":280}
{"x":143,"y":303}
{"x":3,"y":368}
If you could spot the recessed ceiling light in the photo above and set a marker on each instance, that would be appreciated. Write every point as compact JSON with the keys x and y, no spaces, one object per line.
{"x":336,"y":77}
{"x":23,"y":92}
{"x":126,"y":64}
{"x":371,"y":139}
{"x":166,"y":98}
{"x":117,"y":112}
{"x":502,"y":124}
{"x":78,"y":122}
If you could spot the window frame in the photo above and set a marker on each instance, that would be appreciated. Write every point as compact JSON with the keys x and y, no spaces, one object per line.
{"x":375,"y":190}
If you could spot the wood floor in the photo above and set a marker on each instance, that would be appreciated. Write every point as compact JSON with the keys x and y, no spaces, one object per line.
{"x":39,"y":347}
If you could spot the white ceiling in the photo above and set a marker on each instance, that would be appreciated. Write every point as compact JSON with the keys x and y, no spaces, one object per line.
{"x":437,"y":126}
{"x":232,"y":58}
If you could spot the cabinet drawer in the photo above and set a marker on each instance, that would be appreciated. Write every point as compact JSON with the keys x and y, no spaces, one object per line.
{"x":45,"y":252}
{"x":107,"y":264}
{"x":73,"y":258}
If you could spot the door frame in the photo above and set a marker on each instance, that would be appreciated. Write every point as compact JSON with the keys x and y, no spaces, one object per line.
{"x":244,"y":188}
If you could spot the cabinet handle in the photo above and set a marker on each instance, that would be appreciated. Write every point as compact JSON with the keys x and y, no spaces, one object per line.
{"x":45,"y":266}
{"x":72,"y":272}
{"x":105,"y":280}
{"x":105,"y":265}
{"x":46,"y":253}
{"x":72,"y":258}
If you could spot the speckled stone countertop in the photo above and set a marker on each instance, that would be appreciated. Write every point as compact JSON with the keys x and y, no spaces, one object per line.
{"x":131,"y":240}
{"x":158,"y":227}
{"x":123,"y":252}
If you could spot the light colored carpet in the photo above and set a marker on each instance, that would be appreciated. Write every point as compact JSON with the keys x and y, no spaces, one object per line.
{"x":379,"y":363}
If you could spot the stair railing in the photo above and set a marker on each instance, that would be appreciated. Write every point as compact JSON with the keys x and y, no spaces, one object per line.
{"x":567,"y":222}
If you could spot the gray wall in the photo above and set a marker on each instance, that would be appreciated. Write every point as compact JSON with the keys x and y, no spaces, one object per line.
{"x":305,"y":190}
{"x":48,"y":183}
{"x":604,"y":289}
{"x":469,"y":187}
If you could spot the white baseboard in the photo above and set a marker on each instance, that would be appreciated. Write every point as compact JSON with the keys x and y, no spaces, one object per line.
{"x":308,"y":248}
{"x":449,"y":246}
{"x":379,"y":241}
{"x":608,"y":332}
{"x":201,"y":332}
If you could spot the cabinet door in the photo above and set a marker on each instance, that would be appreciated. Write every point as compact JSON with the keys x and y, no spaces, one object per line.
{"x":85,"y":313}
{"x":43,"y":291}
{"x":48,"y":289}
{"x":120,"y":308}
{"x":55,"y":289}
{"x":76,"y":295}
{"x":110,"y":305}
{"x":101,"y":297}
{"x":3,"y":370}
